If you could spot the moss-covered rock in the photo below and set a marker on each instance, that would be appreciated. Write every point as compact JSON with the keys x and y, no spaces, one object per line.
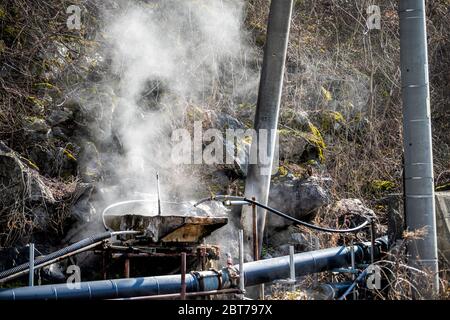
{"x":302,"y":144}
{"x":35,"y":125}
{"x":316,"y":141}
{"x":382,"y":185}
{"x":331,"y":121}
{"x":444,"y":187}
{"x":297,"y":120}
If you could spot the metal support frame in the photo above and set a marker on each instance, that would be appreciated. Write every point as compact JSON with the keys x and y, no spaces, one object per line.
{"x":292,"y":267}
{"x":241,"y":264}
{"x":255,"y":232}
{"x":31,"y":259}
{"x":353,"y":266}
{"x":127,"y":268}
{"x":183,"y":276}
{"x":253,"y":273}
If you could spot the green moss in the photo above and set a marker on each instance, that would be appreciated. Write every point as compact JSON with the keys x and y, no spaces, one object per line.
{"x":36,"y":101}
{"x":30,"y":163}
{"x":315,"y":138}
{"x":283,"y":171}
{"x":327,"y":95}
{"x":194,"y":113}
{"x":298,"y":170}
{"x":11,"y":31}
{"x":286,"y":132}
{"x":46,"y":85}
{"x":382,"y":185}
{"x":298,"y":3}
{"x":69,"y":155}
{"x":2,"y":13}
{"x":245,"y":106}
{"x":330,"y":118}
{"x":295,"y":120}
{"x":265,"y":250}
{"x":444,"y":187}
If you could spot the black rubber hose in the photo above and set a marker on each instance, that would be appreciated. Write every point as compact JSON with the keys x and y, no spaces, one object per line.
{"x":54,"y":255}
{"x":353,"y":285}
{"x":311,"y":226}
{"x":288,"y":217}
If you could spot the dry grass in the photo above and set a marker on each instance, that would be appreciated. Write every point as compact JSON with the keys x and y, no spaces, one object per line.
{"x":38,"y":56}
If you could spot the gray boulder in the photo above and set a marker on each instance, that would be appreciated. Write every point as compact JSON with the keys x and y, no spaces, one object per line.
{"x":300,"y":198}
{"x":351,"y":208}
{"x":59,"y":116}
{"x":82,"y":209}
{"x":35,"y":129}
{"x":90,"y":165}
{"x":352,"y":213}
{"x":281,"y":240}
{"x":19,"y":180}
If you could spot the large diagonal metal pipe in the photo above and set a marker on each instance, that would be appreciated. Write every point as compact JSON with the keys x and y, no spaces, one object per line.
{"x":418,"y":171}
{"x":255,"y":273}
{"x":267,"y":111}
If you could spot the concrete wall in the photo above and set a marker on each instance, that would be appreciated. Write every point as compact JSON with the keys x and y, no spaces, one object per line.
{"x":443,"y":224}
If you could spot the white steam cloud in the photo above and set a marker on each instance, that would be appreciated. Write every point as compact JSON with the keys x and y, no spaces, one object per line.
{"x":164,"y":57}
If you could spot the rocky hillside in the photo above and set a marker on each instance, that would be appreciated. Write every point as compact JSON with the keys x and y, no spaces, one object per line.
{"x":61,"y":92}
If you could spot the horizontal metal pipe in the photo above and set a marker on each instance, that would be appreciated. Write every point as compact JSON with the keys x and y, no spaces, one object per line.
{"x":264,"y":271}
{"x":236,"y":203}
{"x":256,"y":272}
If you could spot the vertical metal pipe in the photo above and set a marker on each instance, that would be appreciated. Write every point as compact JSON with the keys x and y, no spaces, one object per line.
{"x":31,"y":259}
{"x":158,"y":194}
{"x":267,"y":111}
{"x":316,"y":246}
{"x":255,"y":232}
{"x":105,"y":275}
{"x":256,"y":245}
{"x":352,"y":257}
{"x":261,"y":291}
{"x":372,"y":241}
{"x":419,"y":178}
{"x":127,"y":268}
{"x":241,"y":262}
{"x":292,"y":266}
{"x":183,"y":276}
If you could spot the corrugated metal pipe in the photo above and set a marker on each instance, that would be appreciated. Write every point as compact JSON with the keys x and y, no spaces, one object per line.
{"x":56,"y":256}
{"x":256,"y":272}
{"x":418,"y":151}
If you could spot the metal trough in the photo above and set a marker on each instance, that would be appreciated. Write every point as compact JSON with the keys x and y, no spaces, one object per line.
{"x":168,"y":229}
{"x":177,"y":223}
